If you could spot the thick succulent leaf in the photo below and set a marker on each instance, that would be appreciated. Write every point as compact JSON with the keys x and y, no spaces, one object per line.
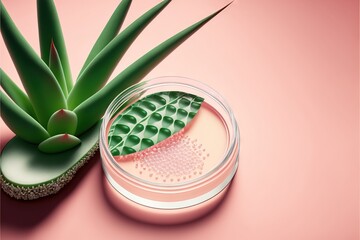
{"x":62,"y":121}
{"x":59,"y":143}
{"x":50,"y":30}
{"x":92,"y":109}
{"x":56,"y":68}
{"x":151,"y":120}
{"x":21,"y":123}
{"x":29,"y":170}
{"x":109,"y":32}
{"x":99,"y":70}
{"x":16,"y":94}
{"x":39,"y":82}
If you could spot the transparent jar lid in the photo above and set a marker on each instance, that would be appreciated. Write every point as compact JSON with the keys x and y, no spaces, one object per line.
{"x":188,"y":167}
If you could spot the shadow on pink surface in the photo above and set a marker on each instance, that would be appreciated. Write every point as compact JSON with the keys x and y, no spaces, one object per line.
{"x":24,"y":215}
{"x":4,"y":139}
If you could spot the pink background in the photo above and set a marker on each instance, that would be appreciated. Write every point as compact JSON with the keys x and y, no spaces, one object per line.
{"x":290,"y":71}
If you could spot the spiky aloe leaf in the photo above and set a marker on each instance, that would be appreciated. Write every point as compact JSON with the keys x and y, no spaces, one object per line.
{"x":99,"y":70}
{"x":56,"y":68}
{"x":109,"y":32}
{"x":150,"y":120}
{"x":62,"y":121}
{"x":59,"y":143}
{"x":40,"y":83}
{"x":50,"y":30}
{"x":16,"y":94}
{"x":91,"y":110}
{"x":21,"y":123}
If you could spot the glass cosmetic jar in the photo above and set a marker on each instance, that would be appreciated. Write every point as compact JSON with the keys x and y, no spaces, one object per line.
{"x":182,"y":177}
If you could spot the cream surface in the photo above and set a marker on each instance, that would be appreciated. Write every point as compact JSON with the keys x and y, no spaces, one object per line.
{"x":188,"y":154}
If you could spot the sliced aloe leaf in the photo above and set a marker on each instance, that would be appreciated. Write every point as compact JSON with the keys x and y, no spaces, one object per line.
{"x":100,"y":68}
{"x":59,"y":143}
{"x":92,"y":109}
{"x":62,"y":121}
{"x":20,"y":122}
{"x":40,"y":83}
{"x":16,"y":94}
{"x":151,"y":120}
{"x":109,"y":32}
{"x":28,"y":173}
{"x":56,"y":68}
{"x":50,"y":30}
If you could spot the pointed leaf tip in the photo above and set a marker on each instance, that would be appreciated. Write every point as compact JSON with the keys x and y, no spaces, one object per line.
{"x":62,"y":121}
{"x":92,"y":109}
{"x":56,"y":67}
{"x":110,"y":31}
{"x":59,"y":143}
{"x":96,"y":74}
{"x":50,"y":30}
{"x":53,"y":52}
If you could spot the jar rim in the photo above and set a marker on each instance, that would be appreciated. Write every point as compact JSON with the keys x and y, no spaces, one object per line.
{"x":164,"y":81}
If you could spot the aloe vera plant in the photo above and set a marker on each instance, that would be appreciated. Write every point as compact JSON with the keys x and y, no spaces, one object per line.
{"x":58,"y":119}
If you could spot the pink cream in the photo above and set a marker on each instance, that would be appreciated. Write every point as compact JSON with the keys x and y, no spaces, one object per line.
{"x":184,"y":156}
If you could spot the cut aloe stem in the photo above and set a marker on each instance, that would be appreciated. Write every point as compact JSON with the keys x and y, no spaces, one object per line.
{"x":92,"y":109}
{"x":100,"y":68}
{"x":43,"y":90}
{"x":151,"y":120}
{"x":109,"y":32}
{"x":16,"y":94}
{"x":50,"y":30}
{"x":20,"y":122}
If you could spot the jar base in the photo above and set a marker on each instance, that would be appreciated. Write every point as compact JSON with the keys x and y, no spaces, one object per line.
{"x":160,"y":216}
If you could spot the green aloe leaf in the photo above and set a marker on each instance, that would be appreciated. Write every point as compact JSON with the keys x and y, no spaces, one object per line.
{"x":21,"y":123}
{"x":100,"y":68}
{"x":62,"y":121}
{"x":29,"y":173}
{"x":39,"y":82}
{"x":109,"y":32}
{"x":15,"y":93}
{"x":50,"y":30}
{"x":151,"y":120}
{"x":59,"y":143}
{"x":92,"y":109}
{"x":56,"y":68}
